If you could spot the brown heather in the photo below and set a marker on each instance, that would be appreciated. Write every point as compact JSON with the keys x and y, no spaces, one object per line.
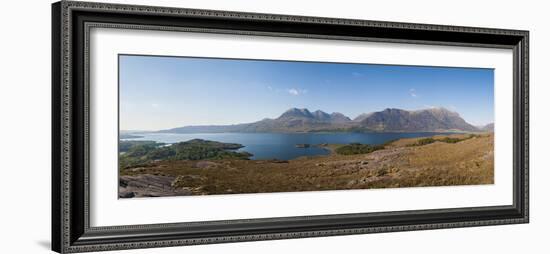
{"x":400,"y":164}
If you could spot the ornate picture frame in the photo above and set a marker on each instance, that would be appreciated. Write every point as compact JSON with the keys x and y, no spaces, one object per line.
{"x":71,"y":24}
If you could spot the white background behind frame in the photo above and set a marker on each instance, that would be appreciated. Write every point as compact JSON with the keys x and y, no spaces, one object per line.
{"x":107,"y":210}
{"x":28,"y":225}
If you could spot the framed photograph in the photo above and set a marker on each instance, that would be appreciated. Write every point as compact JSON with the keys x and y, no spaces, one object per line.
{"x":182,"y":126}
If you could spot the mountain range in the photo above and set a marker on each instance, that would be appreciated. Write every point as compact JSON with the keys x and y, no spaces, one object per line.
{"x":387,"y":120}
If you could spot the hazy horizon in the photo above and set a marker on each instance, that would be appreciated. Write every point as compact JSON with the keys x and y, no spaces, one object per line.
{"x":311,"y":110}
{"x":167,"y":92}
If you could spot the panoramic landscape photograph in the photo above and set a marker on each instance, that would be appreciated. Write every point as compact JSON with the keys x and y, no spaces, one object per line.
{"x":208,"y":126}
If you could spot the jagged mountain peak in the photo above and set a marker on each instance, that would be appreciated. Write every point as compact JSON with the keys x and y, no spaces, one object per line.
{"x":296,"y":112}
{"x":321,"y":115}
{"x":312,"y":116}
{"x":339,"y":117}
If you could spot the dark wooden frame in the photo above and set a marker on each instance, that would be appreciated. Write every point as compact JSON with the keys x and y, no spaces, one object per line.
{"x":71,"y":22}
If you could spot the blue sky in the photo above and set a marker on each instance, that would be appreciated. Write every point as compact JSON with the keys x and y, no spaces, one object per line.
{"x":166,"y":92}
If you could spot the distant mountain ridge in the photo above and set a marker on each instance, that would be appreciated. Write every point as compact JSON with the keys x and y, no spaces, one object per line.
{"x":433,"y":119}
{"x":387,"y":120}
{"x":488,"y":127}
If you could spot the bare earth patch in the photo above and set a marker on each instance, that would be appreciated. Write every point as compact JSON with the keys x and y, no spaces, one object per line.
{"x":399,"y":164}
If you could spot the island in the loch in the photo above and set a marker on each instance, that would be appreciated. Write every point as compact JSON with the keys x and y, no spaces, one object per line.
{"x":456,"y":153}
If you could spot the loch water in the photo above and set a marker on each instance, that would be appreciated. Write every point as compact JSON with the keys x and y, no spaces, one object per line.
{"x":282,"y":146}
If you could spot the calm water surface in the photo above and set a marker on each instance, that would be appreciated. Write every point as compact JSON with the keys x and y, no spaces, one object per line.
{"x":282,"y":146}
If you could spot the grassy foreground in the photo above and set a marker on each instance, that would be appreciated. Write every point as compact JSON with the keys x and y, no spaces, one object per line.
{"x":458,"y":159}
